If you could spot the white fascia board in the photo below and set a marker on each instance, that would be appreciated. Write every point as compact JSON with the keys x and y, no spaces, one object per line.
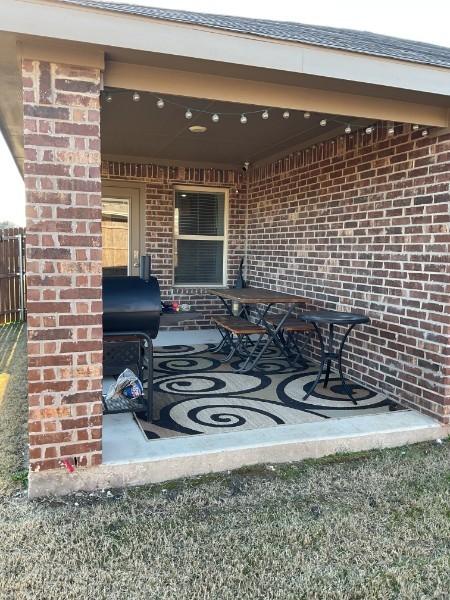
{"x":101,"y":27}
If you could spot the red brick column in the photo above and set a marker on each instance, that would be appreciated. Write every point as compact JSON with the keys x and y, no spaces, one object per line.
{"x":63,"y":192}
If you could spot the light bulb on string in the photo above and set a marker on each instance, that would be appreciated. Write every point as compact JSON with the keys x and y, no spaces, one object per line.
{"x":188,"y":114}
{"x":369,"y":130}
{"x":415,"y":127}
{"x":391,"y":130}
{"x":348,"y":129}
{"x":243,"y":119}
{"x":160,"y":103}
{"x":215,"y":118}
{"x":323,"y":122}
{"x":265,"y":114}
{"x":306,"y":115}
{"x":424,"y":132}
{"x":136,"y":97}
{"x":286,"y":114}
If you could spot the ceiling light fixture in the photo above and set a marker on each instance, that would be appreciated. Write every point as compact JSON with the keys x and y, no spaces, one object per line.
{"x":160,"y":103}
{"x":424,"y":132}
{"x":215,"y":118}
{"x":265,"y":114}
{"x":197,"y":129}
{"x":306,"y":115}
{"x":369,"y":130}
{"x":188,"y":114}
{"x":108,"y":98}
{"x":323,"y":122}
{"x":243,"y":119}
{"x":391,"y":130}
{"x":286,"y":114}
{"x":415,"y":127}
{"x":136,"y":97}
{"x":348,"y":129}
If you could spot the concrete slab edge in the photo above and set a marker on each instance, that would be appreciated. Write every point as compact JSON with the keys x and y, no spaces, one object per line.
{"x":58,"y":483}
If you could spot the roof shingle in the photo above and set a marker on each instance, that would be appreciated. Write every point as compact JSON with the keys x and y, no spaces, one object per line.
{"x":329,"y":37}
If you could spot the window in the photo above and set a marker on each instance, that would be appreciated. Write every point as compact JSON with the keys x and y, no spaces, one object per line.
{"x":115,"y":238}
{"x":200,"y":237}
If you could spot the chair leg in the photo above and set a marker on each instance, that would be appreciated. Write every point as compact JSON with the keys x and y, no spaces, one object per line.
{"x":222,"y":343}
{"x":233,"y":348}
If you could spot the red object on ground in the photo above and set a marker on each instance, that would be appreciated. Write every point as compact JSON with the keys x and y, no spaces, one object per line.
{"x":69,"y":466}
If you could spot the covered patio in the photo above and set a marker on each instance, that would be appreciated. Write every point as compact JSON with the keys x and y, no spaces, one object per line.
{"x":324,"y":170}
{"x":300,"y":224}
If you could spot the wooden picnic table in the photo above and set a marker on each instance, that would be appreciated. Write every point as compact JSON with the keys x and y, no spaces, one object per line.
{"x":257,"y":297}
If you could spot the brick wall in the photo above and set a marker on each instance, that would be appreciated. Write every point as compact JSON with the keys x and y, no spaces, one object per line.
{"x":362,"y":223}
{"x":62,"y":180}
{"x":160,"y":182}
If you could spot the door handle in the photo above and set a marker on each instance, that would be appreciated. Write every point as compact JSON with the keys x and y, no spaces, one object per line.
{"x":136,"y":258}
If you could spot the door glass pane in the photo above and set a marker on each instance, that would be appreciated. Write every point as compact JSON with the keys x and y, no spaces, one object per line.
{"x":115,"y":236}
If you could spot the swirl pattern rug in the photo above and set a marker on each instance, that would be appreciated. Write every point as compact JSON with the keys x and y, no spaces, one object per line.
{"x":194,"y":393}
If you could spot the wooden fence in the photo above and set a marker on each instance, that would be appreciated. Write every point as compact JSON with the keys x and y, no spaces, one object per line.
{"x":12,"y":275}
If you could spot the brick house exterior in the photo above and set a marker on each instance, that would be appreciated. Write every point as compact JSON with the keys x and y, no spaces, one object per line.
{"x":356,"y":221}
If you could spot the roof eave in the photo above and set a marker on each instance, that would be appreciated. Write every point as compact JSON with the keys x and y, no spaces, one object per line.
{"x":95,"y":26}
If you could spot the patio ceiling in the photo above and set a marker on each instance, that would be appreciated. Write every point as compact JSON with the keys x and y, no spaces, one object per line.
{"x":140,"y":130}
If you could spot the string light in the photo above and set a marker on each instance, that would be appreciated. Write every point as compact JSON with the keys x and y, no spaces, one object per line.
{"x":265,"y":114}
{"x":424,"y":132}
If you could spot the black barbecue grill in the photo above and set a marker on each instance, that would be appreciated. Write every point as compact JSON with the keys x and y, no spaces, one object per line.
{"x":131,"y":316}
{"x":131,"y":304}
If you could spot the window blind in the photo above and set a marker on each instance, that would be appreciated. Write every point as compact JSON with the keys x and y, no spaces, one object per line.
{"x":199,"y":238}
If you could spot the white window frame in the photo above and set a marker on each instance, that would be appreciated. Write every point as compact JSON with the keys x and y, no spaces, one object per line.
{"x":176,"y":236}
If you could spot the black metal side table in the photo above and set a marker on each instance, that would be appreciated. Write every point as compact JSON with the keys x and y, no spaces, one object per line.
{"x":332,"y":318}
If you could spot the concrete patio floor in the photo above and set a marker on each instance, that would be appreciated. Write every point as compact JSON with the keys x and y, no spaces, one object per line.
{"x":130,"y":459}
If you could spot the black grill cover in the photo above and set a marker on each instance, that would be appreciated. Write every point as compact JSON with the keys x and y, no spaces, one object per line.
{"x":131,"y":304}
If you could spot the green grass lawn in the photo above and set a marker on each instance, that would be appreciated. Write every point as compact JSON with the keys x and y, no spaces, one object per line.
{"x":370,"y":525}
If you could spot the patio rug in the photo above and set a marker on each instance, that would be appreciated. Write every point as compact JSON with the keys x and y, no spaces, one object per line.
{"x":194,"y":393}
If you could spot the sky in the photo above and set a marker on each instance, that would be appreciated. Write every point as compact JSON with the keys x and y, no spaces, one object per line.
{"x":423,"y":20}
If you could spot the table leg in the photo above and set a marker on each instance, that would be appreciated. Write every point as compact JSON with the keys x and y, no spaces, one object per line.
{"x":222,"y":343}
{"x":323,"y":357}
{"x":325,"y":361}
{"x":225,"y":338}
{"x":271,"y":336}
{"x":347,"y":388}
{"x":330,"y":354}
